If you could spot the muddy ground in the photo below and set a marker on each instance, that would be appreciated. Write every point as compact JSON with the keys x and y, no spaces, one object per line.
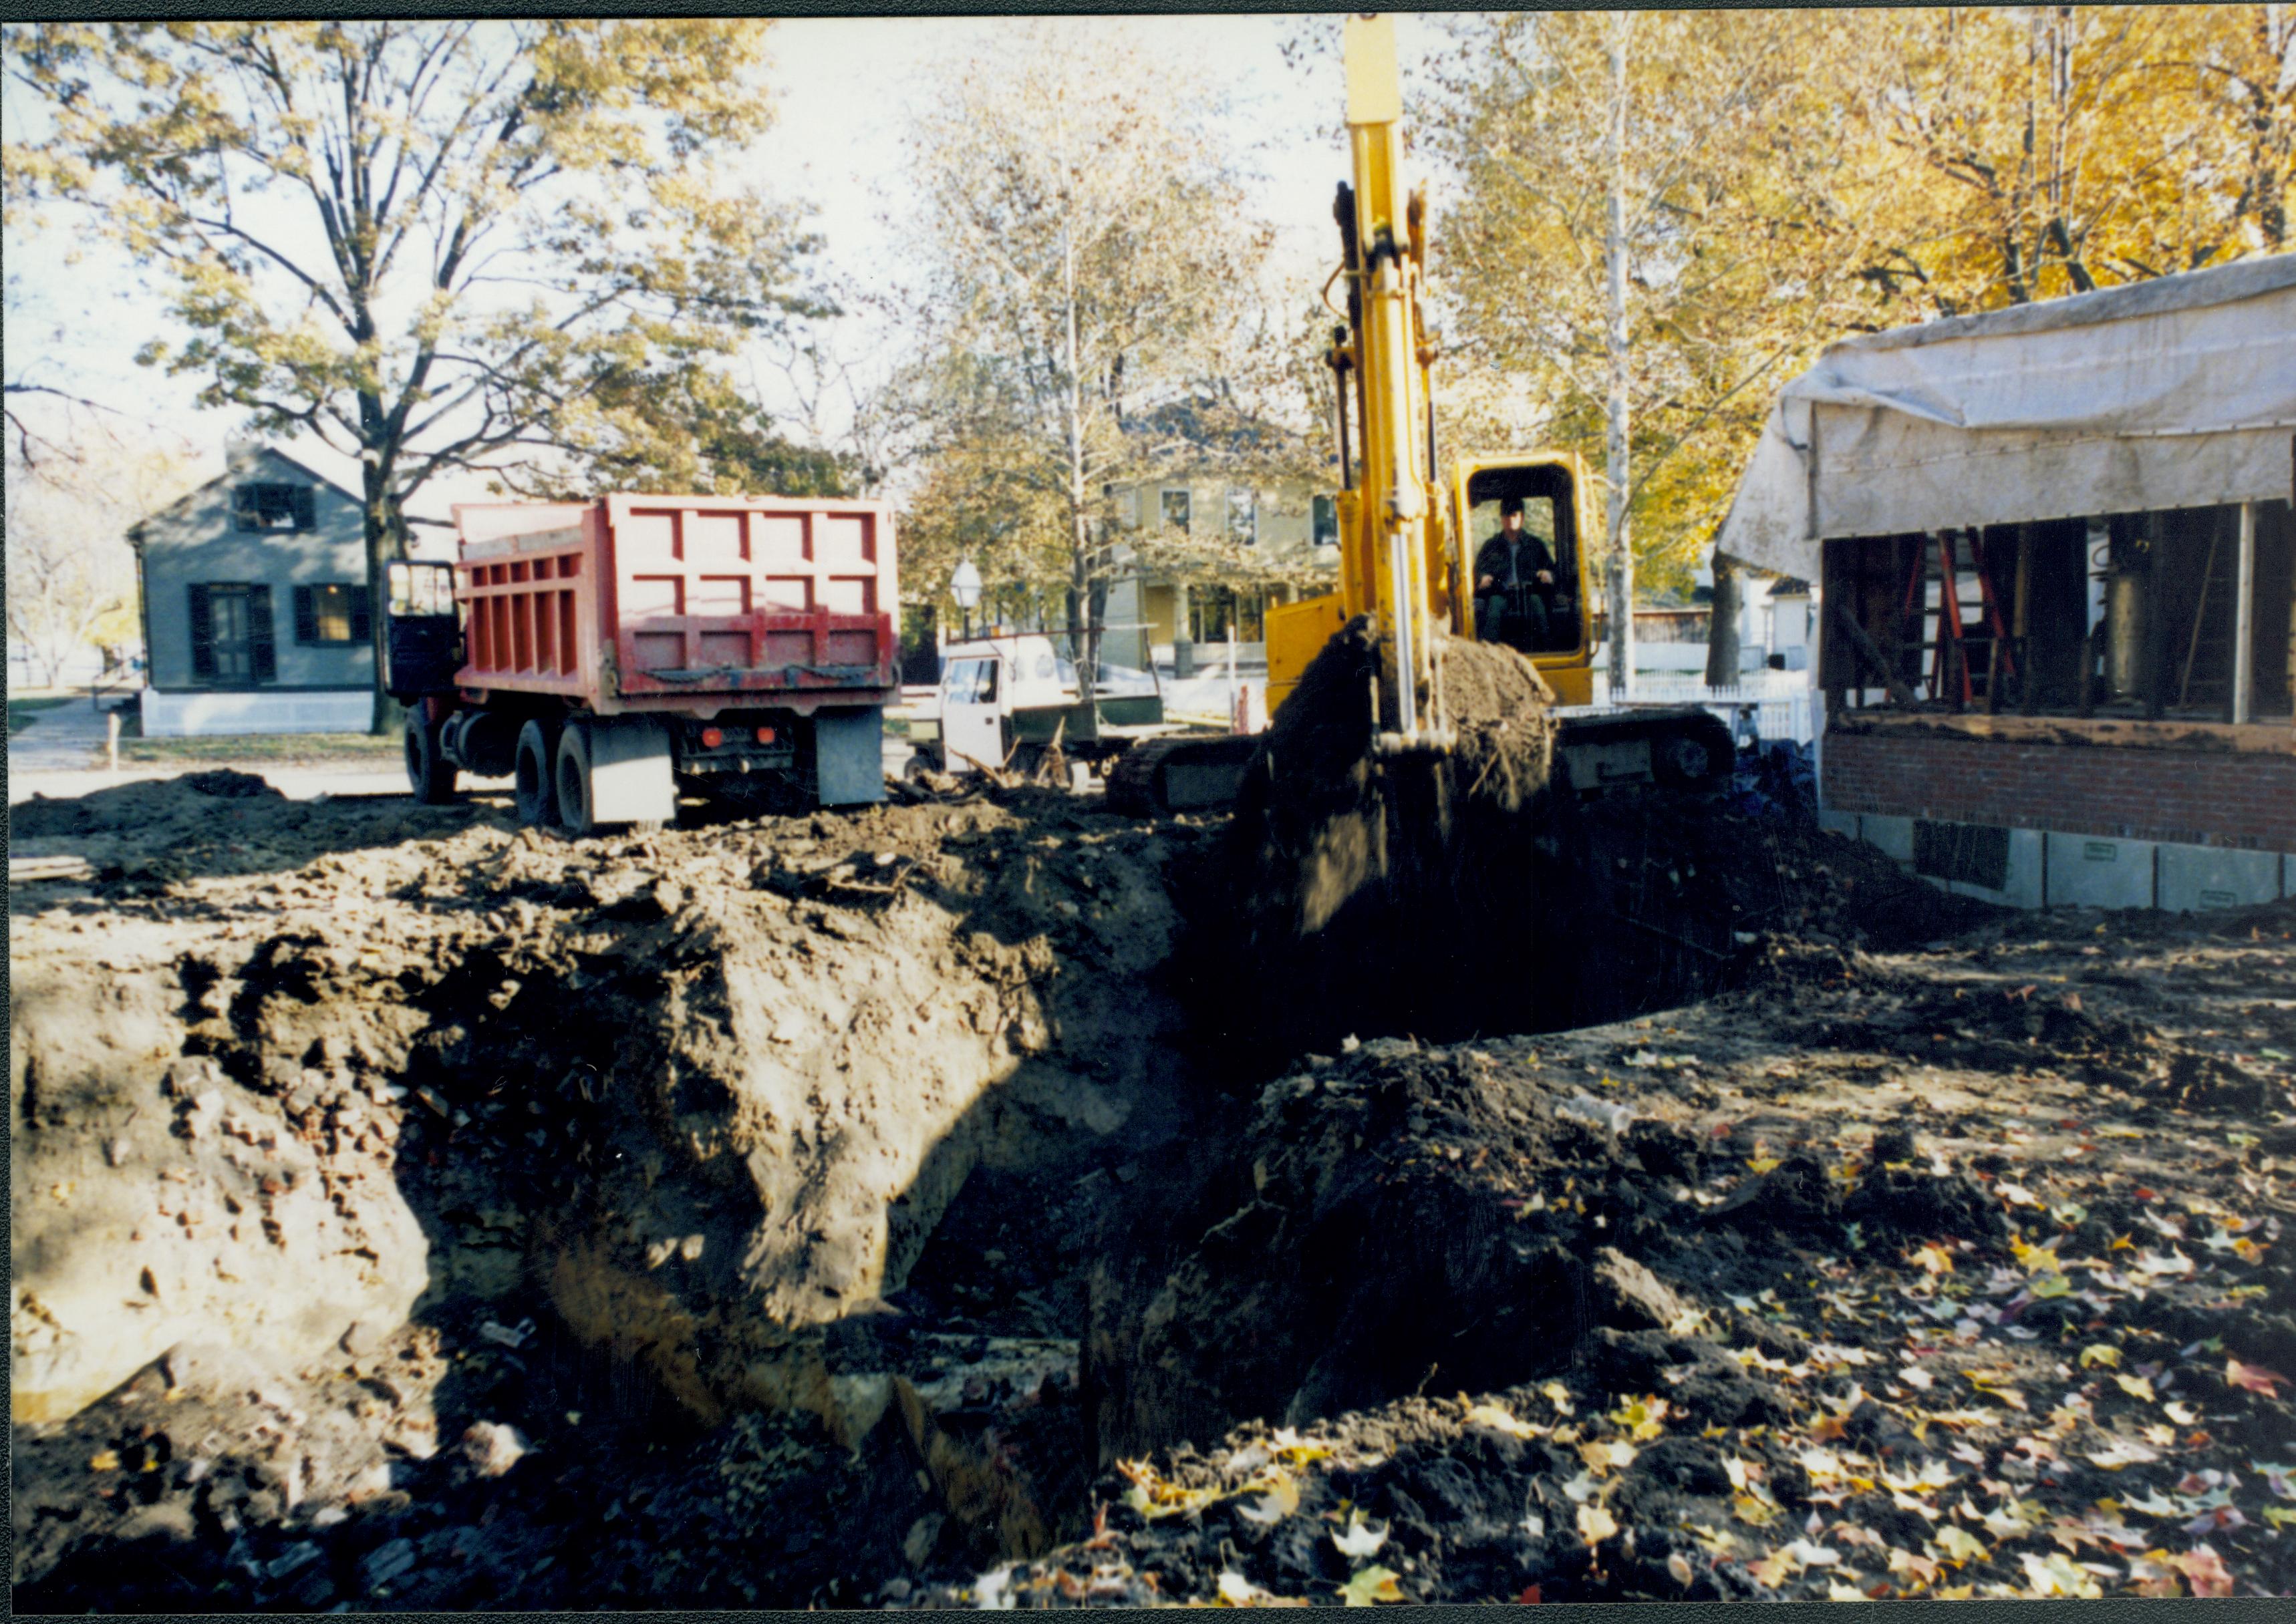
{"x":875,"y":1209}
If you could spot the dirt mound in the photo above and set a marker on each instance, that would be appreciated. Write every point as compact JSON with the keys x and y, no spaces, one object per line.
{"x":1445,"y":896}
{"x":1283,"y":1292}
{"x":1404,"y":888}
{"x":1727,"y":1318}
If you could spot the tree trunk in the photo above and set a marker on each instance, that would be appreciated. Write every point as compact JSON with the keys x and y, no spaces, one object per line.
{"x":379,"y":511}
{"x":1722,"y":632}
{"x":1614,"y":255}
{"x":1081,"y":559}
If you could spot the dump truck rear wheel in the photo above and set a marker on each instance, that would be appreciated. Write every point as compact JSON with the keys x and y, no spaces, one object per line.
{"x":536,"y":758}
{"x":433,"y":779}
{"x":576,"y":812}
{"x":614,"y":770}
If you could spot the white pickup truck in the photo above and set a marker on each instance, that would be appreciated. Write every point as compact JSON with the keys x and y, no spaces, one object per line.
{"x":1007,"y":702}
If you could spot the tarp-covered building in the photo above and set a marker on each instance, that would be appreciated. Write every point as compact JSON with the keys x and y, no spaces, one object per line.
{"x":2055,"y":574}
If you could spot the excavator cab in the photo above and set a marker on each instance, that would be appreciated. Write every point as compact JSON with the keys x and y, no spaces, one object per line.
{"x":1531,"y":596}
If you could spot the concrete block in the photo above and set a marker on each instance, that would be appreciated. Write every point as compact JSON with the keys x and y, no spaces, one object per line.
{"x":1838,"y":822}
{"x":1893,"y":836}
{"x":2092,"y":871}
{"x":2022,"y":886}
{"x":2198,"y":876}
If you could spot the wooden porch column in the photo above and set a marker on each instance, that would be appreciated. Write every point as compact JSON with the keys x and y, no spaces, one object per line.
{"x":2243,"y":619}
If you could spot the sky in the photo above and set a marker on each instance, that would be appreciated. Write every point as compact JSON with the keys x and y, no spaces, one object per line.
{"x":842,"y":88}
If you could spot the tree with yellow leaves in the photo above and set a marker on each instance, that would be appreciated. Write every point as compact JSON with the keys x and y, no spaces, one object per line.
{"x":1087,"y":314}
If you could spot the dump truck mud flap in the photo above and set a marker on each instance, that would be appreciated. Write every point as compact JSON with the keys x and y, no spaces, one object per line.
{"x":848,"y":756}
{"x":615,"y":770}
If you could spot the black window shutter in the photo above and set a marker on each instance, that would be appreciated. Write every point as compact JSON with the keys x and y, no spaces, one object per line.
{"x":263,"y":655}
{"x":203,"y":636}
{"x":305,"y":507}
{"x":306,"y":616}
{"x":246,"y":508}
{"x":362,"y":616}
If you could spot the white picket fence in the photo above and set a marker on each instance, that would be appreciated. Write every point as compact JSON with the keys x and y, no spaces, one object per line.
{"x":1779,"y":701}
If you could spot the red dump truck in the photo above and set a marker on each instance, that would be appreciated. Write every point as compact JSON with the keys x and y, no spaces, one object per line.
{"x":607,"y":652}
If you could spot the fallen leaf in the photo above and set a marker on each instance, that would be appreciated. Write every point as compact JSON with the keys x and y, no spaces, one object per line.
{"x":2099,"y":1353}
{"x":1596,"y":1524}
{"x":1371,"y":1584}
{"x":1603,"y":1456}
{"x":104,"y":1460}
{"x":2035,"y":1260}
{"x":1642,"y":1418}
{"x":1360,"y":1539}
{"x":1679,"y":1567}
{"x":2183,"y":1414}
{"x":1922,"y":1569}
{"x":2255,"y":1378}
{"x":2152,"y":1576}
{"x":2136,"y":1387}
{"x":1932,"y":1260}
{"x":2204,"y":1571}
{"x":1281,"y":1500}
{"x":1775,"y":1569}
{"x":2055,"y":1575}
{"x":1500,"y":1421}
{"x":1960,"y":1546}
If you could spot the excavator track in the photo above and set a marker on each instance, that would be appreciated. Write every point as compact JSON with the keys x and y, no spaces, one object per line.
{"x":1162,"y":776}
{"x":1682,"y":748}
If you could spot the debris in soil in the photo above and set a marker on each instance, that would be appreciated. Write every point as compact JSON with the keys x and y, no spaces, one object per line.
{"x":1408,"y":887}
{"x":1978,"y":1304}
{"x":1447,"y":895}
{"x":759,"y":1175}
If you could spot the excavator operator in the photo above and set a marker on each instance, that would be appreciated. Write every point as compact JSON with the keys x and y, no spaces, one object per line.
{"x":1514,"y":584}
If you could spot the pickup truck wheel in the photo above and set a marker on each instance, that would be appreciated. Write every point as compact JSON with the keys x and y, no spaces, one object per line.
{"x":433,"y":779}
{"x":537,"y":757}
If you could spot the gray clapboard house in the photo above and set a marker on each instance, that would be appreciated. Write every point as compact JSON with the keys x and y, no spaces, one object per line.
{"x":256,"y":617}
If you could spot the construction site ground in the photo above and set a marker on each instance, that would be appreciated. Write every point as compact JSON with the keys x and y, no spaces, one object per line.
{"x":414,"y":1212}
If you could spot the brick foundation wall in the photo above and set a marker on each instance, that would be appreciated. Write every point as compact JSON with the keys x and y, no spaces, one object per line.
{"x":2195,"y":797}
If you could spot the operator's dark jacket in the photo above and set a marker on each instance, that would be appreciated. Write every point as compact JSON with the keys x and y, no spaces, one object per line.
{"x":1528,"y":559}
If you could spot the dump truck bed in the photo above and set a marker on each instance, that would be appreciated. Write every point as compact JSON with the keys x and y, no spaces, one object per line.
{"x":690,"y":604}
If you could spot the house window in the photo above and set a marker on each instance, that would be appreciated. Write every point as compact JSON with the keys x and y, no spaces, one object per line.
{"x":1326,"y":521}
{"x":232,"y":644}
{"x":1176,"y":510}
{"x":261,"y":506}
{"x":332,"y":612}
{"x":1213,"y":610}
{"x":1244,"y":517}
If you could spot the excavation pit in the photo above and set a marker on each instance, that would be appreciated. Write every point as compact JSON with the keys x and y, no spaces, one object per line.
{"x":896,"y":1358}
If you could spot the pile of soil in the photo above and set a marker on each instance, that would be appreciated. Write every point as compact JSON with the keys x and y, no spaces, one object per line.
{"x":690,"y":1107}
{"x":764,"y":1178}
{"x":1470,"y":893}
{"x":1407,"y":888}
{"x":1892,"y":1275}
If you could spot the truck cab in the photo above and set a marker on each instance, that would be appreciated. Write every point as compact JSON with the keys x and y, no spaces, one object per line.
{"x":1007,"y":701}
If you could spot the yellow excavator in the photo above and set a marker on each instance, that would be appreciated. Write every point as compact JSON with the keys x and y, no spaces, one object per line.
{"x":1414,"y":538}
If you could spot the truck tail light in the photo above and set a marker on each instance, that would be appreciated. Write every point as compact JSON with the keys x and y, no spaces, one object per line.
{"x":765,"y":736}
{"x":711,"y":738}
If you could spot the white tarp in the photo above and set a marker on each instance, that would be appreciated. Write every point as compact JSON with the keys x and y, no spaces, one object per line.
{"x":2179,"y":392}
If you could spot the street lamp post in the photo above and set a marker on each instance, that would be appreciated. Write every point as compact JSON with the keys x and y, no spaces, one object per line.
{"x":964,"y":587}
